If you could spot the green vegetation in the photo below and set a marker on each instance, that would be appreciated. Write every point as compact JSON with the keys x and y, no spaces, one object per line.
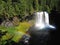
{"x":13,"y":30}
{"x":14,"y":33}
{"x":12,"y":8}
{"x":21,"y":30}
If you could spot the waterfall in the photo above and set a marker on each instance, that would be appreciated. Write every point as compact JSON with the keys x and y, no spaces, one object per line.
{"x":42,"y":20}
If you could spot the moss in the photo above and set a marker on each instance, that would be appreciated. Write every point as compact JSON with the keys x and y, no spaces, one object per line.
{"x":21,"y":30}
{"x":15,"y":33}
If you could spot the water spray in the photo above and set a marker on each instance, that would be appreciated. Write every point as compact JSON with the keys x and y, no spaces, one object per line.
{"x":41,"y":28}
{"x":42,"y":20}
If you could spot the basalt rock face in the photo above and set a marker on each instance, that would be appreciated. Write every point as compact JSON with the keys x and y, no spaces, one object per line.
{"x":34,"y":31}
{"x":39,"y":37}
{"x":40,"y":31}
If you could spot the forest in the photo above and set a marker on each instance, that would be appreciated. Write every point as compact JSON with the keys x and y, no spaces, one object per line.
{"x":23,"y":8}
{"x":16,"y":17}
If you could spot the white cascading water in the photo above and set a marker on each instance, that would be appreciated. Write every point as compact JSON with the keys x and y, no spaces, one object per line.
{"x":42,"y":20}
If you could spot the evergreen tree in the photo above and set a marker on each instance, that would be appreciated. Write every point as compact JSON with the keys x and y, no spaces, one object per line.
{"x":2,"y":7}
{"x":30,"y":6}
{"x":36,"y":5}
{"x":23,"y":8}
{"x":10,"y":9}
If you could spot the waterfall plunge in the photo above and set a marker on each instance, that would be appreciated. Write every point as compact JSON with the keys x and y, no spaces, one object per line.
{"x":42,"y":20}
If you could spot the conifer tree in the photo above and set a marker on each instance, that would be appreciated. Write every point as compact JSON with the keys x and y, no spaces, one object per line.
{"x":26,"y":7}
{"x":36,"y":5}
{"x":30,"y":6}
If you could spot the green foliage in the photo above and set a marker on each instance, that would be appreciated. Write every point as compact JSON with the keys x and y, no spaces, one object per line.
{"x":9,"y":8}
{"x":21,"y":30}
{"x":14,"y":33}
{"x":23,"y":26}
{"x":26,"y":7}
{"x":30,"y":6}
{"x":3,"y":28}
{"x":2,"y":7}
{"x":10,"y":31}
{"x":23,"y":7}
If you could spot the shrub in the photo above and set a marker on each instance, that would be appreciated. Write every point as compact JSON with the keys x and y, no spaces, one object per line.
{"x":14,"y":33}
